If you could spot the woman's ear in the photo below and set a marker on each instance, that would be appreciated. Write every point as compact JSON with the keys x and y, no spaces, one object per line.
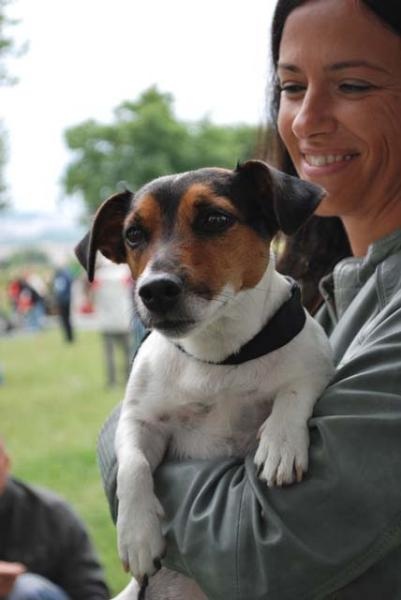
{"x":106,"y":233}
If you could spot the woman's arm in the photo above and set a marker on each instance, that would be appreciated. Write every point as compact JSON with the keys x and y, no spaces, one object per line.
{"x":243,"y":541}
{"x":108,"y":461}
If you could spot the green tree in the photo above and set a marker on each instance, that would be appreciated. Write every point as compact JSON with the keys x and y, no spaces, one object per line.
{"x":144,"y":141}
{"x":7,"y":45}
{"x":3,"y":158}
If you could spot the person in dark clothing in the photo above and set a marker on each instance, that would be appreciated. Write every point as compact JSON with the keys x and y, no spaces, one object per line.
{"x":62,"y":286}
{"x":45,"y":550}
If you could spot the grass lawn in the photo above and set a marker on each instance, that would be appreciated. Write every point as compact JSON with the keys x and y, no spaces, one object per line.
{"x":52,"y":405}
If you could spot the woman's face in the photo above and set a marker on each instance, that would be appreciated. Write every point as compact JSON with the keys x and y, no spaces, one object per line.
{"x":340,"y":109}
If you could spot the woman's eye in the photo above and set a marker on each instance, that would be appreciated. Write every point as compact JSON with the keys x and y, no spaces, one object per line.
{"x":291,"y":89}
{"x":215,"y":222}
{"x":135,"y":236}
{"x":355,"y":88}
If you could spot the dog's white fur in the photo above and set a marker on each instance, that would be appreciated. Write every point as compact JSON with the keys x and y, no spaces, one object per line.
{"x":202,"y":410}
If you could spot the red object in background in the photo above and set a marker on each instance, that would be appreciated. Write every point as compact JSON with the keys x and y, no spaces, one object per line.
{"x":24,"y":302}
{"x":86,"y":308}
{"x":14,"y":290}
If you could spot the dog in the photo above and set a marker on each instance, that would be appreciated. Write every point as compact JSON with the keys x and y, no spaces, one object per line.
{"x":233,"y":362}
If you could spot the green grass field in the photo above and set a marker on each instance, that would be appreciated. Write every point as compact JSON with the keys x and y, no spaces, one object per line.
{"x":52,"y":405}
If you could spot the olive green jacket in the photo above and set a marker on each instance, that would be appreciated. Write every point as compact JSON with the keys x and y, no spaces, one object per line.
{"x":338,"y":533}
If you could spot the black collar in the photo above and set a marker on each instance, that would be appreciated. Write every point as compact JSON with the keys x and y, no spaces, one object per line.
{"x":285,"y":324}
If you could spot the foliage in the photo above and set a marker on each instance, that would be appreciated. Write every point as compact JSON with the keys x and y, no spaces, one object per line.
{"x":145,"y":141}
{"x":26,"y":257}
{"x":7,"y":45}
{"x":53,"y":405}
{"x":3,"y":158}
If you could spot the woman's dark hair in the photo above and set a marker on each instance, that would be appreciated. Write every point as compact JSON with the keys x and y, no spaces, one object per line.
{"x":315,"y":249}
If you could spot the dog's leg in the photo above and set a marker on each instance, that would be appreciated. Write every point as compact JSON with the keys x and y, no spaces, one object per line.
{"x":140,"y":447}
{"x":282,"y":454}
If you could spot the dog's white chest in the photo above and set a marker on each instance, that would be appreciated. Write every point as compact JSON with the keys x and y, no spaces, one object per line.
{"x":227,"y":428}
{"x":208,"y":410}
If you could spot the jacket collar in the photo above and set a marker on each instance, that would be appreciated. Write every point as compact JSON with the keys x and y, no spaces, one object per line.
{"x":350,"y":274}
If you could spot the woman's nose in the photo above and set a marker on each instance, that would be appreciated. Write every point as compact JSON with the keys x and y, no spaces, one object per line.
{"x":315,"y":116}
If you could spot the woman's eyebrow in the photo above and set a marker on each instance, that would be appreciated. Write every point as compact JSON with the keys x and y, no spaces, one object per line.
{"x":349,"y":64}
{"x":338,"y":66}
{"x":288,"y":67}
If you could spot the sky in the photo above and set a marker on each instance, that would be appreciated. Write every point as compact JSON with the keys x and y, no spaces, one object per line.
{"x":87,"y":56}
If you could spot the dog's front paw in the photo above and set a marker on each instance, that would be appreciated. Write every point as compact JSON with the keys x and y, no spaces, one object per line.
{"x":140,"y":540}
{"x":282,"y":454}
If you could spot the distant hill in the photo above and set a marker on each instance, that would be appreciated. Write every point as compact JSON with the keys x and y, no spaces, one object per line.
{"x":54,"y":233}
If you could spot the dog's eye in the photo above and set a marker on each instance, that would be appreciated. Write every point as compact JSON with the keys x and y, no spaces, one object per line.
{"x":214,"y":222}
{"x":135,"y":236}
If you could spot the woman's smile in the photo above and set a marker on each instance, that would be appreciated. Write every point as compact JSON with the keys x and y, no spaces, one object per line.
{"x":321,"y":164}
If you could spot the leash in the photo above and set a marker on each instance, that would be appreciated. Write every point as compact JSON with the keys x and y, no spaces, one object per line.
{"x":145,"y":580}
{"x":144,"y":585}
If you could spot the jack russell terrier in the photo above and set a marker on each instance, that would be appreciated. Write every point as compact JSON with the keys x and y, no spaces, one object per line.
{"x":233,"y":362}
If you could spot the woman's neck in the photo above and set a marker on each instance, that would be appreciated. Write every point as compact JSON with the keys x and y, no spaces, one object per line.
{"x":362,"y":232}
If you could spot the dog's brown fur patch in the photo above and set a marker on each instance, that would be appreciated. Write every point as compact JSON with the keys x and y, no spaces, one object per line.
{"x":238,"y":257}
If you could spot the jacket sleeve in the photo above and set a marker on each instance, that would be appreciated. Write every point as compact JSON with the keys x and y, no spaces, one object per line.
{"x":79,"y":572}
{"x":240,"y":540}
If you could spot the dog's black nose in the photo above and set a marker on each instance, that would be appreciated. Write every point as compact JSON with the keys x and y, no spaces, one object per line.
{"x":161,"y":293}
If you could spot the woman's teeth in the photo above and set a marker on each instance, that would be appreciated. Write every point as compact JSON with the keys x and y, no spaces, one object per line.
{"x":323,"y":160}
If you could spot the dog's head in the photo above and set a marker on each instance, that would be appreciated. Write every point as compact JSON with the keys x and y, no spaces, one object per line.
{"x":195,"y":240}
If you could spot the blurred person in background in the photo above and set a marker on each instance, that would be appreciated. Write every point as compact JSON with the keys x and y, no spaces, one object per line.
{"x":62,"y":293}
{"x":38,"y":290}
{"x":13,"y":291}
{"x":114,"y":313}
{"x":45,"y":550}
{"x":28,"y":303}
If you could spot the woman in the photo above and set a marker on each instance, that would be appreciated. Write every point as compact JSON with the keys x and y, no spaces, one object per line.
{"x":337,"y":534}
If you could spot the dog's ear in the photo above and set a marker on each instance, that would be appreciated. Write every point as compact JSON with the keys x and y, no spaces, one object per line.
{"x":292,"y":200}
{"x":106,"y":233}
